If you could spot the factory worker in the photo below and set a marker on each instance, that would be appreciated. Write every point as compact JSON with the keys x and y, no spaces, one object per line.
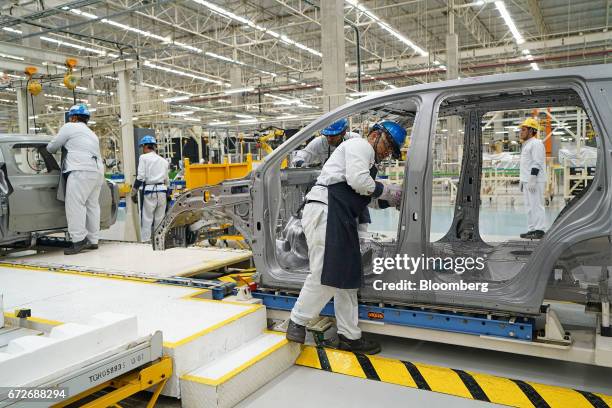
{"x":152,"y":186}
{"x":82,"y":177}
{"x":533,"y":178}
{"x":345,"y":187}
{"x":320,"y":148}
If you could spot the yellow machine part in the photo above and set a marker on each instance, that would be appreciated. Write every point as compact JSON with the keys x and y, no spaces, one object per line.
{"x":199,"y":175}
{"x":70,"y":81}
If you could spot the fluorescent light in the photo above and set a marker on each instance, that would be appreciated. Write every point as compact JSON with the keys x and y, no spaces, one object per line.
{"x":501,"y":7}
{"x":358,"y":94}
{"x":11,"y":57}
{"x":71,"y":45}
{"x":238,"y":90}
{"x":248,"y":121}
{"x":181,"y":73}
{"x":192,"y":119}
{"x":387,"y":27}
{"x":12,"y":30}
{"x":176,"y":99}
{"x":224,"y":101}
{"x":238,"y":115}
{"x":218,"y":123}
{"x":535,"y":66}
{"x":183,"y":113}
{"x":286,"y":117}
{"x":228,"y":14}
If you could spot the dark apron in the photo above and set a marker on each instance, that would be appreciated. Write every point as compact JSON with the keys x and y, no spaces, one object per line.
{"x":342,"y":266}
{"x":63,"y":178}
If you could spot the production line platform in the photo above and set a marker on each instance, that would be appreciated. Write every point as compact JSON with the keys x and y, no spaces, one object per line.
{"x":221,"y":350}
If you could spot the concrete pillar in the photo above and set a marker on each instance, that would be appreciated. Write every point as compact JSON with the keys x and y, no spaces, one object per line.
{"x":22,"y":111}
{"x":132,"y":225}
{"x":332,"y":48}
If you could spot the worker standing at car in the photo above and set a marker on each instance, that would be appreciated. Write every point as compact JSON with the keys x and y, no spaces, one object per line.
{"x":152,"y":185}
{"x":343,"y":190}
{"x":533,"y":178}
{"x":82,"y":176}
{"x":320,"y":148}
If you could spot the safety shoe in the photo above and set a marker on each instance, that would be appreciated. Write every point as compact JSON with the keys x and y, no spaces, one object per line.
{"x":91,"y":246}
{"x":76,"y":247}
{"x":526,"y":234}
{"x":537,"y":234}
{"x":296,"y":332}
{"x":360,"y":345}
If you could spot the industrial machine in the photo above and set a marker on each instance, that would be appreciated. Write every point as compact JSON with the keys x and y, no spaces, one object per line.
{"x":29,"y":208}
{"x":571,"y":263}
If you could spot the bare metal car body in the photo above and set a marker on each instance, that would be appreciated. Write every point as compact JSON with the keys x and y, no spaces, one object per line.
{"x":29,"y":178}
{"x":520,"y":273}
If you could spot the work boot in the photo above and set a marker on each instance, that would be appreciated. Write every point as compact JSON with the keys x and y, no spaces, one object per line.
{"x":526,"y":235}
{"x":536,"y":234}
{"x":296,"y":332}
{"x":76,"y":247}
{"x":360,"y":345}
{"x":91,"y":245}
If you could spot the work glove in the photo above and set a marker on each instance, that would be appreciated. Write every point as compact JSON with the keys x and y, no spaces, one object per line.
{"x":134,"y":196}
{"x":298,"y":163}
{"x":531,"y":185}
{"x":392,"y":193}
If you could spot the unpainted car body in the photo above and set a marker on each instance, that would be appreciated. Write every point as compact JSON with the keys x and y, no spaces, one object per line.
{"x":29,"y":178}
{"x":519,"y":273}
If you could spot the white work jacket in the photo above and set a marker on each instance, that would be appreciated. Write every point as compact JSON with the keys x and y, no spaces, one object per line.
{"x":533,"y":155}
{"x":82,"y":146}
{"x":350,"y":162}
{"x":318,"y":150}
{"x":153,"y":171}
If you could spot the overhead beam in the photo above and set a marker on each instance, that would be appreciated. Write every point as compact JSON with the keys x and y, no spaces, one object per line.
{"x":538,"y":18}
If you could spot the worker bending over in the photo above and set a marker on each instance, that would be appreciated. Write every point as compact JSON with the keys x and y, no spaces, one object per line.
{"x":152,"y":186}
{"x":320,"y":148}
{"x":533,"y":178}
{"x":81,"y":180}
{"x":344,"y":189}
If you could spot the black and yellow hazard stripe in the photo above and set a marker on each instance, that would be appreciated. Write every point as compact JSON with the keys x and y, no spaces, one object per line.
{"x":460,"y":383}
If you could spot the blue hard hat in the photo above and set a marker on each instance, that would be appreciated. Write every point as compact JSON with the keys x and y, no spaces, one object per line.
{"x":148,"y":139}
{"x":80,"y":109}
{"x":396,"y":131}
{"x":335,"y":128}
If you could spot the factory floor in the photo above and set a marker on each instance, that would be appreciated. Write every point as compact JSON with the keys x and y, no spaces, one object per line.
{"x":502,"y":218}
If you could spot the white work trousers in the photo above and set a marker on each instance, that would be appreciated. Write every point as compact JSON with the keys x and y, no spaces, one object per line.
{"x":314,"y":296}
{"x":534,"y":203}
{"x":153,"y":211}
{"x":83,"y":205}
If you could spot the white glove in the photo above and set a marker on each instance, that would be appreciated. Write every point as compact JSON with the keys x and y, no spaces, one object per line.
{"x":531,"y":185}
{"x":392,"y":193}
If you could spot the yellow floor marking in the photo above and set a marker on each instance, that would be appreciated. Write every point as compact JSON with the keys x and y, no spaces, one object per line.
{"x":501,"y":390}
{"x":392,"y":371}
{"x":560,"y":397}
{"x":345,"y":363}
{"x":444,"y":380}
{"x":309,"y":358}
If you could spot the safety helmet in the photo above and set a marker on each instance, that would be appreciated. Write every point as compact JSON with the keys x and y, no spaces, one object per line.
{"x":148,"y":139}
{"x":335,"y":128}
{"x":80,"y":110}
{"x":531,"y":123}
{"x":397,"y":133}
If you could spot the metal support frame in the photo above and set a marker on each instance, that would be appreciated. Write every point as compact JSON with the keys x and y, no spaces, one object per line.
{"x":520,"y":328}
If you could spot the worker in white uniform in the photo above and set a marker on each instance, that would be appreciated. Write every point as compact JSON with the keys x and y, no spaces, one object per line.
{"x":345,"y":187}
{"x":152,"y":186}
{"x":82,"y":176}
{"x":320,"y":148}
{"x":533,"y":178}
